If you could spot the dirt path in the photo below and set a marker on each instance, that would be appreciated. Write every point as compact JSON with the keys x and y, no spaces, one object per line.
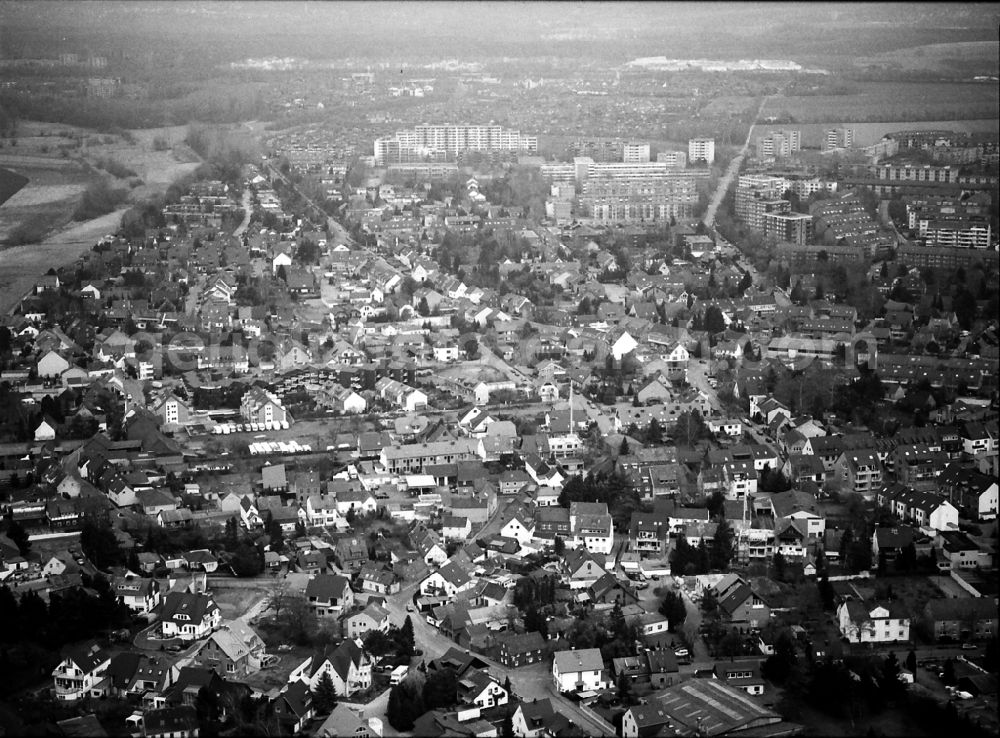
{"x":20,"y":266}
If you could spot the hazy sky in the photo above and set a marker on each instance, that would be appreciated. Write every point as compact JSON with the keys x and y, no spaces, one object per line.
{"x":520,"y":28}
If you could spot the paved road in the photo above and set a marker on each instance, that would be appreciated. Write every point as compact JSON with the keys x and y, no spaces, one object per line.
{"x":337,"y":231}
{"x":247,"y":212}
{"x":731,"y":172}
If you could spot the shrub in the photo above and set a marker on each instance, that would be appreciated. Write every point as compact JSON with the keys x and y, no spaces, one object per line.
{"x":32,"y":230}
{"x":98,"y":199}
{"x":115,"y":168}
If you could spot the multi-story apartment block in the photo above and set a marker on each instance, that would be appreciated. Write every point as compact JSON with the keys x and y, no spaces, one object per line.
{"x":635,"y":153}
{"x":752,"y":189}
{"x":701,"y":149}
{"x":779,"y":144}
{"x":430,"y":141}
{"x":860,"y":471}
{"x":960,"y":234}
{"x":838,"y":138}
{"x":796,"y":228}
{"x":673,"y":159}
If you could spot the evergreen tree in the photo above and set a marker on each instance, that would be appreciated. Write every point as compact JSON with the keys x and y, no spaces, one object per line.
{"x":441,"y":689}
{"x":673,"y":609}
{"x":624,"y":450}
{"x":723,"y":546}
{"x":616,"y":621}
{"x":779,"y":566}
{"x":404,"y":638}
{"x":826,"y":594}
{"x":274,"y":533}
{"x":405,"y":705}
{"x":507,"y":727}
{"x":324,"y":695}
{"x":18,"y":535}
{"x":559,"y":546}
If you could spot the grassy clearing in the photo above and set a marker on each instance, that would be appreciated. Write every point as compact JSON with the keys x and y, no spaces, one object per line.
{"x":233,"y":602}
{"x":900,"y":101}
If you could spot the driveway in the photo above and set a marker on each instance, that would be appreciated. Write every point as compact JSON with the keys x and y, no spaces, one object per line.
{"x":699,"y":651}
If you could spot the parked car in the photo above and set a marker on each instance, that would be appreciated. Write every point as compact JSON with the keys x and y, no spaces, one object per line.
{"x":411,"y":608}
{"x":682,"y":653}
{"x":969,"y":646}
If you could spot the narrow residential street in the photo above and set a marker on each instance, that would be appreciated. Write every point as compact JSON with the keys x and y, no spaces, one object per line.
{"x":530,"y":682}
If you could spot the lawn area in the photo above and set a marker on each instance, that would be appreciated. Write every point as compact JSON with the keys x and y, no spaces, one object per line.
{"x":911,"y":592}
{"x":233,"y":602}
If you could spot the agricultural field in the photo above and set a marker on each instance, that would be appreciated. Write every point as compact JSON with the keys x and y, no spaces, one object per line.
{"x":967,"y":57}
{"x":46,"y":200}
{"x":889,"y":101}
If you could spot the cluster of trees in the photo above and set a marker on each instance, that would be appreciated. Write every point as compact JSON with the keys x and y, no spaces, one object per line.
{"x":673,"y":609}
{"x":608,"y":487}
{"x":613,"y":634}
{"x":395,"y":640}
{"x":689,"y":428}
{"x":716,"y":555}
{"x":98,"y":199}
{"x":408,"y":700}
{"x":69,"y":616}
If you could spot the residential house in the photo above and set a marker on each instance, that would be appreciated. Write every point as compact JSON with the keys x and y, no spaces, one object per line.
{"x":960,"y":619}
{"x":293,"y":707}
{"x":742,"y":674}
{"x":373,"y":617}
{"x":447,"y":581}
{"x":579,"y":670}
{"x":591,"y":526}
{"x":138,"y":594}
{"x":870,"y":622}
{"x":349,"y":667}
{"x":520,"y":649}
{"x":179,"y":721}
{"x":188,"y":616}
{"x":860,"y":471}
{"x":81,"y":673}
{"x":234,"y":650}
{"x":740,"y":606}
{"x":329,"y":594}
{"x":580,"y":568}
{"x":349,"y":721}
{"x":539,"y":719}
{"x":476,"y":688}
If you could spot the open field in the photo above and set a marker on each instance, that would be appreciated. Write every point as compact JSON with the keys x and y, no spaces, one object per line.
{"x":975,"y":57}
{"x":20,"y":266}
{"x":473,"y":371}
{"x":235,"y":602}
{"x":55,"y":184}
{"x":912,"y":592}
{"x":50,"y":193}
{"x":895,"y":101}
